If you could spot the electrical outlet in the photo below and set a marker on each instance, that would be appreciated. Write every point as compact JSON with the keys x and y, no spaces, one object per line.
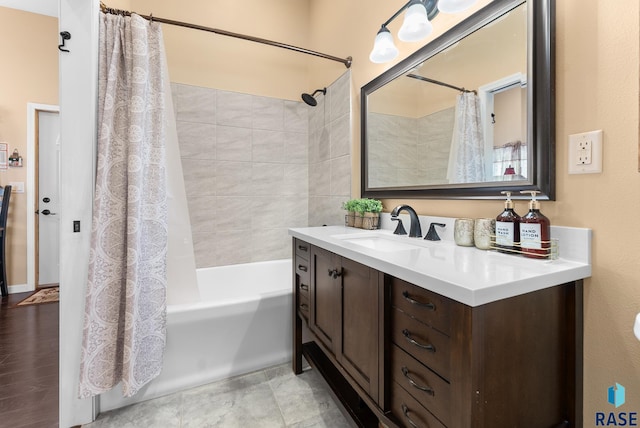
{"x":585,"y":153}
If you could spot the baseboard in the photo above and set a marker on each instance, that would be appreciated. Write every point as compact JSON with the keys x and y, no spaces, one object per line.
{"x":19,"y":288}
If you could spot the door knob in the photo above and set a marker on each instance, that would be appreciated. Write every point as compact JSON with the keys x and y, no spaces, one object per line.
{"x":47,"y":212}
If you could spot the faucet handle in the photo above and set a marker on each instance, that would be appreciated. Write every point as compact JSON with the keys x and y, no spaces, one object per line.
{"x":432,"y":235}
{"x":400,"y":228}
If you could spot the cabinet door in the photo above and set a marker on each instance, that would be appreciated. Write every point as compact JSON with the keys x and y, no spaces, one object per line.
{"x":324,"y":316}
{"x":358,"y":341}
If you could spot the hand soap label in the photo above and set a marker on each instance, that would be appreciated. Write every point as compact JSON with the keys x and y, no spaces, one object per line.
{"x":531,"y":235}
{"x":504,"y":233}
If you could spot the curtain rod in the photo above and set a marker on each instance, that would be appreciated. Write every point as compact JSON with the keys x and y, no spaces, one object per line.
{"x":346,"y":61}
{"x":437,"y":82}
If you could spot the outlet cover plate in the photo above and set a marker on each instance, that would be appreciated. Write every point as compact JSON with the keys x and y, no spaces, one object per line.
{"x":585,"y":153}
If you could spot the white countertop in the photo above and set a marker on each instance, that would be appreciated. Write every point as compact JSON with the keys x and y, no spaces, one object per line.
{"x":465,"y":274}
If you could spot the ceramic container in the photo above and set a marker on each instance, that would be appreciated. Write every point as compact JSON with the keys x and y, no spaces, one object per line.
{"x":483,"y":231}
{"x":463,"y":232}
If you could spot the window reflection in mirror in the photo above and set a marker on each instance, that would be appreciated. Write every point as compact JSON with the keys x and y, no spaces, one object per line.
{"x":422,"y":133}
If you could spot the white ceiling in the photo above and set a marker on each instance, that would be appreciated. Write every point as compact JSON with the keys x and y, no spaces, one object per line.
{"x":43,"y":7}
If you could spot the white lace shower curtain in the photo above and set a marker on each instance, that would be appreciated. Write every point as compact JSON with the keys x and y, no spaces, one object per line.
{"x":466,"y":158}
{"x":125,"y":312}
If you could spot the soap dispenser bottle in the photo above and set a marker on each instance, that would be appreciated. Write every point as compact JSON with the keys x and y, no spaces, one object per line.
{"x":507,"y":227}
{"x":535,"y":230}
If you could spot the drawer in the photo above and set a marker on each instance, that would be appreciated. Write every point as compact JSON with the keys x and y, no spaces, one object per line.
{"x":424,"y":343}
{"x":303,"y":249}
{"x":425,"y":386}
{"x":408,"y":412}
{"x":302,"y":270}
{"x":303,"y":306}
{"x":303,"y":289}
{"x":424,"y":305}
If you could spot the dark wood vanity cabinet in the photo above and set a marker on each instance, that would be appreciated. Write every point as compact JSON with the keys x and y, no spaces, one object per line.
{"x":420,"y":359}
{"x":344,"y":307}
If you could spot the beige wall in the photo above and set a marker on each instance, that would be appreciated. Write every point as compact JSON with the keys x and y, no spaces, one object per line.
{"x":597,"y":88}
{"x":210,"y":60}
{"x":29,"y":73}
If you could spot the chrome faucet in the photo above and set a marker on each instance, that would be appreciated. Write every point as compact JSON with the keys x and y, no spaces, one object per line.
{"x":414,"y":230}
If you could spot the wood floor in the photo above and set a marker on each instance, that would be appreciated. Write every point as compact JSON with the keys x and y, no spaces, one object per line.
{"x":28,"y":364}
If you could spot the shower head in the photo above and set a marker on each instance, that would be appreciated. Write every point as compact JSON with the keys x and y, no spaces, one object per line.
{"x":310,"y":100}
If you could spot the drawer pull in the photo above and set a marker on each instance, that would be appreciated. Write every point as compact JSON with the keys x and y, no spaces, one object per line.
{"x":304,"y":307}
{"x":304,"y":287}
{"x":405,"y":411}
{"x":302,"y":268}
{"x":407,"y":336}
{"x":428,"y":305}
{"x":428,"y":390}
{"x":303,"y":248}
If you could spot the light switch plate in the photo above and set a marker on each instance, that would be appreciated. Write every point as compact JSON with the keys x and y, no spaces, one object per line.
{"x":17,"y":186}
{"x":585,"y":153}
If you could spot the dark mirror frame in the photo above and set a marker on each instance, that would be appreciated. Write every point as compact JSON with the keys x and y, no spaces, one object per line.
{"x":540,"y":100}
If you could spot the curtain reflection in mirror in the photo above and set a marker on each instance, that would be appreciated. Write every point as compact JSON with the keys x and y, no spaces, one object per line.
{"x":466,"y":158}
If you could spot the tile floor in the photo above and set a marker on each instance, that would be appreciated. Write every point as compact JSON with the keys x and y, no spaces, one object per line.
{"x":273,"y":397}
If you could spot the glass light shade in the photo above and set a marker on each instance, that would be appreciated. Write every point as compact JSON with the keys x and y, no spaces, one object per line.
{"x":384,"y":50}
{"x":454,"y":6}
{"x":416,"y":25}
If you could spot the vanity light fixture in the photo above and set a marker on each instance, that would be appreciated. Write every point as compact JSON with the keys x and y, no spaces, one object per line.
{"x":416,"y":26}
{"x":454,"y":6}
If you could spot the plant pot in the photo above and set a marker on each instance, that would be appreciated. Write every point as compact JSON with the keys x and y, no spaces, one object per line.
{"x":370,"y":221}
{"x":350,"y":218}
{"x":358,"y":220}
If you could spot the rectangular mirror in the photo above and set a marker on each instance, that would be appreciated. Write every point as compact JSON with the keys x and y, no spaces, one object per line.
{"x":470,"y":114}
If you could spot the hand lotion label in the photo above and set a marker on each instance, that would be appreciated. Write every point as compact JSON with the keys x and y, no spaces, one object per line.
{"x":531,"y":235}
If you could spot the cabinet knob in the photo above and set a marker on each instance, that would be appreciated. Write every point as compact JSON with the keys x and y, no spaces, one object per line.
{"x":302,"y":268}
{"x":335,"y":273}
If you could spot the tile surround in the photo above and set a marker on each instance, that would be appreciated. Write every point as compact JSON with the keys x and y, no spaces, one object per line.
{"x":330,"y":153}
{"x":252,"y":163}
{"x":241,"y":154}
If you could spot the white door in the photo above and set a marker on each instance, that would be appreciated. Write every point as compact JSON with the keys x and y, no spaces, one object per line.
{"x":48,"y":198}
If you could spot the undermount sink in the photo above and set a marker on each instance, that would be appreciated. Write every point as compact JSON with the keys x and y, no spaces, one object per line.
{"x":380,"y":243}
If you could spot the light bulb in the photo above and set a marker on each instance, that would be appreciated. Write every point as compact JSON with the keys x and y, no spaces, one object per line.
{"x":384,"y":50}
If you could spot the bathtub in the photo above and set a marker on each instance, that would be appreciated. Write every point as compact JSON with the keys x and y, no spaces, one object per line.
{"x":242,"y":323}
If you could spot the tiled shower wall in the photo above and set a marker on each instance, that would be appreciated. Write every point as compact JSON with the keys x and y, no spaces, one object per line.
{"x":330,"y":153}
{"x":405,"y":151}
{"x":245,"y":166}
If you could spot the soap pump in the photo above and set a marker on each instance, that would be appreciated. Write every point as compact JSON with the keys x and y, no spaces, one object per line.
{"x":507,"y":227}
{"x":535,"y":230}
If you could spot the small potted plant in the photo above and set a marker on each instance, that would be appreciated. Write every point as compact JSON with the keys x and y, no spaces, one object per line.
{"x":350,"y":207}
{"x":371,"y":216}
{"x":362,"y":213}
